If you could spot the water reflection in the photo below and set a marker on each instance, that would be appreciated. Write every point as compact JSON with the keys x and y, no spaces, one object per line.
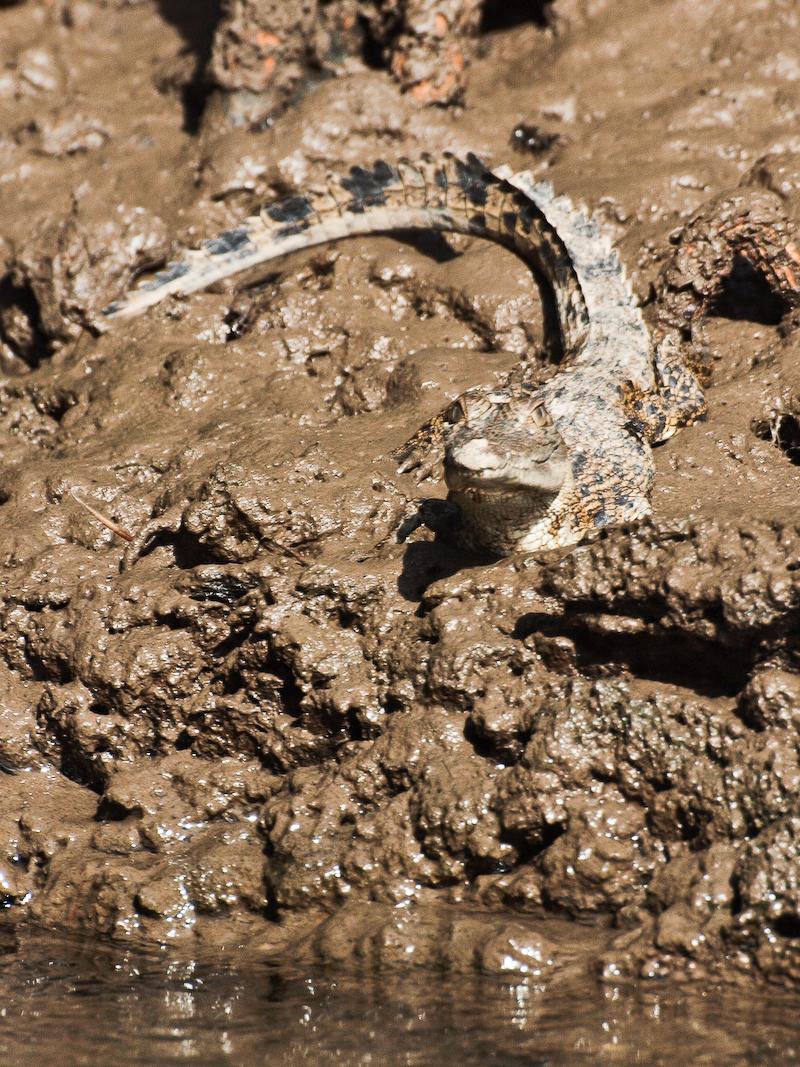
{"x":70,"y":1004}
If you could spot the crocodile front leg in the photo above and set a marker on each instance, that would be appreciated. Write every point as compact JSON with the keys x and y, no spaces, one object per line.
{"x":677,"y":401}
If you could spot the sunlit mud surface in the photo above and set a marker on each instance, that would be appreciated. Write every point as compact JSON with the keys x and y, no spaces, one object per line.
{"x":267,"y":723}
{"x":63,"y":1003}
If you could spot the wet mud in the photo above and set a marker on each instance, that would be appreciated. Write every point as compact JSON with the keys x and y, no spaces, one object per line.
{"x":265,"y":722}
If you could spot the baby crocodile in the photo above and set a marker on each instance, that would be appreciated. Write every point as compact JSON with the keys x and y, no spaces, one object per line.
{"x":531,"y":466}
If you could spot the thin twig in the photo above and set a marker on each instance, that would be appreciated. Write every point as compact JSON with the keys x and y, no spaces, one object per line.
{"x":114,"y":527}
{"x":286,"y":550}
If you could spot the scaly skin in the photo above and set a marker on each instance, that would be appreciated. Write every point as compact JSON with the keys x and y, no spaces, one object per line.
{"x":531,"y":467}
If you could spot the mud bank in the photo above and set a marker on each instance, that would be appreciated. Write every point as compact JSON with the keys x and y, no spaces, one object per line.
{"x":266,"y":722}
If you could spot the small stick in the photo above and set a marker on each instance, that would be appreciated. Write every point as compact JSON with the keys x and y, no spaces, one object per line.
{"x":114,"y":527}
{"x":287,"y":550}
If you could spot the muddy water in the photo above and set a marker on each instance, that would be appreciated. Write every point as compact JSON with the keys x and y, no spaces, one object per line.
{"x":267,"y":723}
{"x":128,"y":1008}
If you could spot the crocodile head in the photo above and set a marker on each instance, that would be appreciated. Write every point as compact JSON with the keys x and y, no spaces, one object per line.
{"x":503,"y":441}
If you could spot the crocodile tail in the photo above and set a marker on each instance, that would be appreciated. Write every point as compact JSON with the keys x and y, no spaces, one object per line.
{"x":446,"y":194}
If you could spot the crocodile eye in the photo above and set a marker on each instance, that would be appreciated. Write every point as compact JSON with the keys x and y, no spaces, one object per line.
{"x":457,"y":412}
{"x":540,"y":415}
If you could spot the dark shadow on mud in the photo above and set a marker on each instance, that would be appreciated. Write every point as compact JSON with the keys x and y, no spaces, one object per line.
{"x":196,"y":21}
{"x":786,"y":436}
{"x":710,"y":668}
{"x":506,"y":14}
{"x":425,"y":562}
{"x":23,"y":349}
{"x":428,"y":243}
{"x":746,"y":294}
